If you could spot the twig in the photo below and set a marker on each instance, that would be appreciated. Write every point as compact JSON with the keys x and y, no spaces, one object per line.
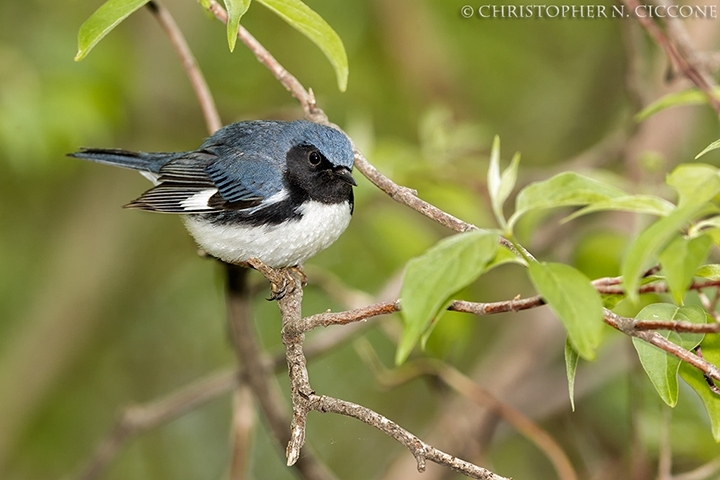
{"x":711,"y":383}
{"x":677,"y":326}
{"x":523,"y":424}
{"x":417,"y":447}
{"x":304,"y":398}
{"x":137,"y":419}
{"x":187,"y":60}
{"x":627,"y":326}
{"x":361,"y":314}
{"x":471,"y":390}
{"x":286,"y":79}
{"x":258,"y":369}
{"x":655,"y":287}
{"x":683,"y":63}
{"x":241,"y":432}
{"x":703,"y":472}
{"x":665,"y":446}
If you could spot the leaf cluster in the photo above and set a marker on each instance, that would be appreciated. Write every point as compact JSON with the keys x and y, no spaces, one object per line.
{"x":680,"y":240}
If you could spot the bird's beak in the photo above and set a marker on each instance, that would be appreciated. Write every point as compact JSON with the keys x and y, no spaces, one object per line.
{"x":344,"y":174}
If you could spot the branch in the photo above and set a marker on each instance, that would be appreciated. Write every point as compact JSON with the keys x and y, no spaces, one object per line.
{"x":361,"y":314}
{"x":627,"y":326}
{"x":286,"y":79}
{"x":682,"y":61}
{"x":187,"y":60}
{"x":305,"y":400}
{"x":471,"y":390}
{"x":421,"y":450}
{"x":137,"y":419}
{"x":677,"y":326}
{"x":258,"y":368}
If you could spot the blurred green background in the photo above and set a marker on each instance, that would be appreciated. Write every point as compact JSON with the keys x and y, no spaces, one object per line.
{"x":102,"y":307}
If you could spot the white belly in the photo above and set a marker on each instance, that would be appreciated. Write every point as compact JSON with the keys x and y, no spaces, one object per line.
{"x":282,"y":245}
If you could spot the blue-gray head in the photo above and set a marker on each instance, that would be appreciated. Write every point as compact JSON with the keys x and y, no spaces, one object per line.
{"x":332,"y":143}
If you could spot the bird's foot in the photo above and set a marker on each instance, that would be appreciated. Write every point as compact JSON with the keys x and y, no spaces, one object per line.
{"x":299,"y":275}
{"x":283,"y":281}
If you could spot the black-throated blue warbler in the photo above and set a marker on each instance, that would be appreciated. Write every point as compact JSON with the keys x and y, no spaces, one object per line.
{"x":272,"y":190}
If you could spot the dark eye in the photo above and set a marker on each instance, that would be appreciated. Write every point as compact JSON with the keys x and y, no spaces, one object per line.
{"x":315,"y":158}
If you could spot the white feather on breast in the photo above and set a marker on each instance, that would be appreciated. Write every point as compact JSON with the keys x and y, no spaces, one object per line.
{"x":282,"y":245}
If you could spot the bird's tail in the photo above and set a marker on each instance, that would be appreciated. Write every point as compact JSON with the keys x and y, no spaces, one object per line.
{"x":150,"y":162}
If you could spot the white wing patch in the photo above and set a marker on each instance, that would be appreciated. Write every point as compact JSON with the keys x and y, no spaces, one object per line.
{"x":199,"y":201}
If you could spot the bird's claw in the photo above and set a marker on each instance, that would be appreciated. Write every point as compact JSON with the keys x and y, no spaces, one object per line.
{"x":287,"y":281}
{"x":278,"y":291}
{"x":283,"y":281}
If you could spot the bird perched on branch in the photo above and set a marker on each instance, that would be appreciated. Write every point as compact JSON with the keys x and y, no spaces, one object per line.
{"x":277,"y":191}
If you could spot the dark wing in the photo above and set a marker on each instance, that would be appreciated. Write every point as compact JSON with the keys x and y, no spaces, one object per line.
{"x":204,"y":182}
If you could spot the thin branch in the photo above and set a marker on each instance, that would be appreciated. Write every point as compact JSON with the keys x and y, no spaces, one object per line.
{"x":523,"y":424}
{"x":471,"y":390}
{"x":711,"y":383}
{"x":187,"y":60}
{"x":137,"y":419}
{"x":258,"y":368}
{"x":684,"y":63}
{"x":384,"y":308}
{"x":656,"y":287}
{"x":286,"y":79}
{"x":703,"y":472}
{"x":241,"y":432}
{"x":677,"y":326}
{"x":421,"y":450}
{"x":627,"y":326}
{"x":305,"y":400}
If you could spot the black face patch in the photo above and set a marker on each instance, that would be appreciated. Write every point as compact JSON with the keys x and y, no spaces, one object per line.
{"x":310,"y":175}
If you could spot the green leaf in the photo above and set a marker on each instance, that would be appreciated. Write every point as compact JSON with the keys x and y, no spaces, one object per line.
{"x":562,"y":190}
{"x":711,"y":272}
{"x":680,"y":259}
{"x":696,"y":183}
{"x":500,"y":186}
{"x":235,"y":9}
{"x":711,"y":352}
{"x":571,"y":362}
{"x":575,"y":302}
{"x":629,"y":203}
{"x":105,"y":18}
{"x":312,"y":25}
{"x":686,"y":97}
{"x":661,"y":367}
{"x":713,"y":146}
{"x":647,"y":245}
{"x":432,"y":279}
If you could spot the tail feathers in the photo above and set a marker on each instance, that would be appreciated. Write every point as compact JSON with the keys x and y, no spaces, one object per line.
{"x":151,"y":162}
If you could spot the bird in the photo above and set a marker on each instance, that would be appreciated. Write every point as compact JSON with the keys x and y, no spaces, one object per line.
{"x":271,"y":190}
